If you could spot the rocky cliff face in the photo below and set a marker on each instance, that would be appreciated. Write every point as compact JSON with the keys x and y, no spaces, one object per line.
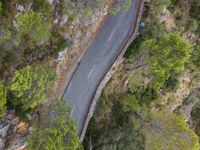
{"x":13,"y":132}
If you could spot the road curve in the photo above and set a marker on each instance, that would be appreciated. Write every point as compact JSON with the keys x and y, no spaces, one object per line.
{"x":97,"y":60}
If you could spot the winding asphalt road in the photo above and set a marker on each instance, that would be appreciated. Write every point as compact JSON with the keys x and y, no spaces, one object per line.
{"x":98,"y":59}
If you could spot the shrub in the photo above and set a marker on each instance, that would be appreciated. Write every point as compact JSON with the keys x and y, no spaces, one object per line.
{"x":3,"y":95}
{"x":130,"y":103}
{"x":43,"y":6}
{"x":157,"y":6}
{"x":192,"y":25}
{"x":167,"y":56}
{"x":55,"y":130}
{"x":33,"y":25}
{"x":149,"y":95}
{"x":1,"y":8}
{"x":172,"y":84}
{"x":194,"y":10}
{"x":29,"y":86}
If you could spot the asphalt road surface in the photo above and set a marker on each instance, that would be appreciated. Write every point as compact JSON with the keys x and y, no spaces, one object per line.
{"x":99,"y":57}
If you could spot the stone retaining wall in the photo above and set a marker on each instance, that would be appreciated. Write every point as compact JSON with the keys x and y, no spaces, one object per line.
{"x":111,"y":71}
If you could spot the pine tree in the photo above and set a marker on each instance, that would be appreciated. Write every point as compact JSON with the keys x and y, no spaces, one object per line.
{"x":29,"y":86}
{"x":55,"y":130}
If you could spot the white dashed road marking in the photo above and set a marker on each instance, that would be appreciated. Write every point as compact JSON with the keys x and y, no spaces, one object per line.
{"x":72,"y":112}
{"x":111,"y":35}
{"x":91,"y":72}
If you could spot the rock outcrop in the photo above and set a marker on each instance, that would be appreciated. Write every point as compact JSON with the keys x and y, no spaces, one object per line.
{"x":13,"y":132}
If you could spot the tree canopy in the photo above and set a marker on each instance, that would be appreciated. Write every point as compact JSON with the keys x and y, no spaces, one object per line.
{"x":157,"y":6}
{"x":29,"y":86}
{"x":196,"y":55}
{"x":55,"y":130}
{"x":124,"y":138}
{"x":168,"y":56}
{"x":1,"y":8}
{"x":3,"y":95}
{"x":169,"y":131}
{"x":34,"y":25}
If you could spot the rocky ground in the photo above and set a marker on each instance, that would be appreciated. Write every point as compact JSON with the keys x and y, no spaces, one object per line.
{"x":13,"y":132}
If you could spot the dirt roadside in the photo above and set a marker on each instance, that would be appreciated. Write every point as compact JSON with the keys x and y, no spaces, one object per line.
{"x":66,"y":66}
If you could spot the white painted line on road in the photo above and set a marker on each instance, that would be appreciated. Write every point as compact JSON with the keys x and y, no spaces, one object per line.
{"x":91,"y":72}
{"x":111,"y":35}
{"x":72,"y":112}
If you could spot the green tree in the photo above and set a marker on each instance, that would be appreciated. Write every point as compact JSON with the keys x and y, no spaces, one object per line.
{"x":168,"y":56}
{"x":169,"y":131}
{"x":5,"y":35}
{"x":32,"y":24}
{"x":174,"y":4}
{"x":153,"y":29}
{"x":1,"y":8}
{"x":130,"y":103}
{"x":3,"y":95}
{"x":196,"y":56}
{"x":55,"y":130}
{"x":125,"y":138}
{"x":194,"y":10}
{"x":157,"y":6}
{"x":195,"y":116}
{"x":192,"y":25}
{"x":29,"y":86}
{"x":43,"y":6}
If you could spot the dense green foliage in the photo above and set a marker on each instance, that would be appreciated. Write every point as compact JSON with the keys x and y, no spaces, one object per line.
{"x":195,"y":115}
{"x":112,"y":128}
{"x":29,"y":35}
{"x":116,"y":130}
{"x":1,"y":8}
{"x":55,"y":129}
{"x":29,"y":86}
{"x":167,"y":57}
{"x":194,"y":23}
{"x":196,"y":56}
{"x":194,"y":10}
{"x":130,"y":103}
{"x":6,"y":35}
{"x":125,"y":138}
{"x":189,"y":20}
{"x":3,"y":96}
{"x":157,"y":6}
{"x":153,"y":30}
{"x":162,"y":60}
{"x":125,"y":4}
{"x":166,"y":130}
{"x":32,"y":24}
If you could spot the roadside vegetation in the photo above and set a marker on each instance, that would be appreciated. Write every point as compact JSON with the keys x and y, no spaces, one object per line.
{"x":133,"y":112}
{"x":122,"y":5}
{"x":54,"y":129}
{"x":139,"y":108}
{"x":32,"y":33}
